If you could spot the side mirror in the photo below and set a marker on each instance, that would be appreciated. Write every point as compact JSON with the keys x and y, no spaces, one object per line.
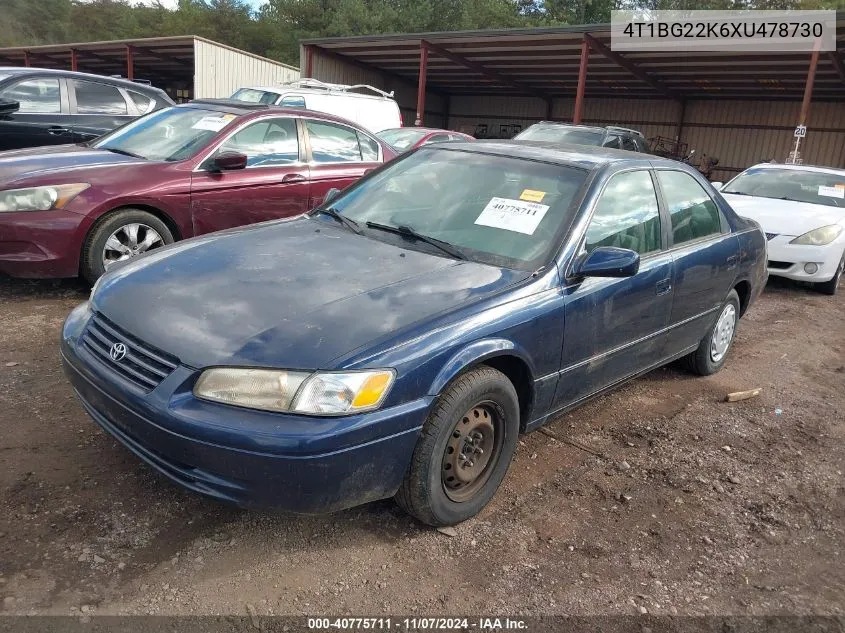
{"x":609,"y":261}
{"x":9,"y":107}
{"x":717,"y":185}
{"x":229,"y":161}
{"x":331,"y":194}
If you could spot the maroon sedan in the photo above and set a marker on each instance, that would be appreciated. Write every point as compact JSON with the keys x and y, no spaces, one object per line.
{"x":204,"y":166}
{"x":404,"y":139}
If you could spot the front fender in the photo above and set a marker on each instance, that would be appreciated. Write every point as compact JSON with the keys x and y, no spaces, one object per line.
{"x":475,"y":353}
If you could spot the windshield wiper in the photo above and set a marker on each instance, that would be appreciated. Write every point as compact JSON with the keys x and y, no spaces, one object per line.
{"x":407,"y":231}
{"x":123,"y":151}
{"x":349,"y":223}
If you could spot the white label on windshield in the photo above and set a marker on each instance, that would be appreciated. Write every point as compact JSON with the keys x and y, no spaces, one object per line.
{"x":212,"y":123}
{"x":837,"y":191}
{"x":519,"y":216}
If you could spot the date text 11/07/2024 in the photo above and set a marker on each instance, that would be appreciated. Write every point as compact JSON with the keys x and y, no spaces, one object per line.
{"x":417,"y":624}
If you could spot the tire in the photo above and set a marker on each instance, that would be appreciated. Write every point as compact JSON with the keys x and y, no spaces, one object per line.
{"x":480,"y":400}
{"x":832,"y":287}
{"x":119,"y":223}
{"x":709,"y":357}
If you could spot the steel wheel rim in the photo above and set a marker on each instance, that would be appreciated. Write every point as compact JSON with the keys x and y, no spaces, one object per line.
{"x":128,"y":241}
{"x":472,"y":451}
{"x":723,"y":333}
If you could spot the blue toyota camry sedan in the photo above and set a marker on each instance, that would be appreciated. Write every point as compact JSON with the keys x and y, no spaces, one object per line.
{"x":395,"y":341}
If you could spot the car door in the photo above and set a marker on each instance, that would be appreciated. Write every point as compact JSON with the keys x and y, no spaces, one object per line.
{"x":97,"y":108}
{"x":614,"y":327}
{"x":42,"y":118}
{"x":273,"y":185}
{"x":705,"y":256}
{"x":339,"y":156}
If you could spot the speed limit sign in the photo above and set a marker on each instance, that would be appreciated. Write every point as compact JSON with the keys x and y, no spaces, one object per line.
{"x":801,"y":131}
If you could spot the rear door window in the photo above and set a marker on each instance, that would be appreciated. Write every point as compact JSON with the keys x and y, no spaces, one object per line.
{"x":369,"y":148}
{"x":629,"y":143}
{"x":694,"y":214}
{"x":142,"y":102}
{"x":36,"y":96}
{"x":613,"y":141}
{"x":97,"y":98}
{"x":332,"y":143}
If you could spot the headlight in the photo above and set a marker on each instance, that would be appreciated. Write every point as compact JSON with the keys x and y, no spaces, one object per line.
{"x":40,"y":198}
{"x":819,"y":237}
{"x":322,"y":393}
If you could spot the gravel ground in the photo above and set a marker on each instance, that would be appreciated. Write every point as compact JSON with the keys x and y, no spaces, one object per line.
{"x":684,"y":504}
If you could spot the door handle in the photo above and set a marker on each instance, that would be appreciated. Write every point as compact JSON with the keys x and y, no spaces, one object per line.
{"x":56,"y":130}
{"x":662,"y":287}
{"x":291,"y":178}
{"x":731,"y":261}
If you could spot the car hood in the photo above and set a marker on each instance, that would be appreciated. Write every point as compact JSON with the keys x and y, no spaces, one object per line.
{"x":785,"y":217}
{"x":39,"y":162}
{"x":296,"y":294}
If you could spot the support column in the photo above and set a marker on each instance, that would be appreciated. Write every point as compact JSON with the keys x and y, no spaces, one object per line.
{"x":578,"y":114}
{"x":447,"y":111}
{"x":74,"y":60}
{"x":309,"y":61}
{"x":26,"y":60}
{"x":130,"y":63}
{"x":681,"y":115}
{"x":421,"y":83}
{"x":549,"y":109}
{"x":808,"y":87}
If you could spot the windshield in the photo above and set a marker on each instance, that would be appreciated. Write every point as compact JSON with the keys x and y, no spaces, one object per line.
{"x":251,"y":95}
{"x":402,"y":138}
{"x":498,"y":210}
{"x":791,"y":184}
{"x":171,"y":134}
{"x":560,"y":134}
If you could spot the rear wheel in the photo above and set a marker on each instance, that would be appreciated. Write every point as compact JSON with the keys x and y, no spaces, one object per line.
{"x":832,"y":287}
{"x":464,"y":450}
{"x":713,"y":349}
{"x":119,"y":236}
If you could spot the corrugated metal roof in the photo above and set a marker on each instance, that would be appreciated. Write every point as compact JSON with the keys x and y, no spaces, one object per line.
{"x":546,"y":61}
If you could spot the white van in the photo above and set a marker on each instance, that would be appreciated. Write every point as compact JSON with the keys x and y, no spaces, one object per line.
{"x":374,"y":112}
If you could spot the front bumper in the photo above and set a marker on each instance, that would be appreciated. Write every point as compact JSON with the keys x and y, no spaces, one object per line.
{"x":41,"y":244}
{"x":788,"y":260}
{"x":250,"y":458}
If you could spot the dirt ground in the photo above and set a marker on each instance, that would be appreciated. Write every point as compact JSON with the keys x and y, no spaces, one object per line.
{"x":691,"y":505}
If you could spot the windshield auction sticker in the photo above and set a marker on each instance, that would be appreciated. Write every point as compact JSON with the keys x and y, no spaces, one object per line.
{"x":519,"y":216}
{"x":213,"y":123}
{"x":837,"y":191}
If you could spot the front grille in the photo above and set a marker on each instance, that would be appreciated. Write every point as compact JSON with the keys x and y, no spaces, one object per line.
{"x":780,"y":265}
{"x":770,"y":236}
{"x":143,"y":365}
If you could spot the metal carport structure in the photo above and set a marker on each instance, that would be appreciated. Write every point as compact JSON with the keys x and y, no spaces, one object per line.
{"x":186,"y":66}
{"x":740,"y":107}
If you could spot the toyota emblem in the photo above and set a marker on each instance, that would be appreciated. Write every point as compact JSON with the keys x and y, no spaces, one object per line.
{"x":118,"y":352}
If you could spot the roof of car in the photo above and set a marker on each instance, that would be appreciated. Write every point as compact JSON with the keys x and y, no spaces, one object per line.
{"x":583,"y":156}
{"x":240,"y":108}
{"x":120,"y":81}
{"x":821,"y":169}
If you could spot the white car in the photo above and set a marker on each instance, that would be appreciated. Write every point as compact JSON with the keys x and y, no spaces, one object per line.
{"x":802,"y":211}
{"x":374,"y":112}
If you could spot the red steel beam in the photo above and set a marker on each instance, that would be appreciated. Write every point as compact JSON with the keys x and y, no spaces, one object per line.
{"x":808,"y":87}
{"x":26,"y":60}
{"x":578,"y":114}
{"x":631,"y":67}
{"x":421,"y":83}
{"x":309,"y":61}
{"x":130,"y":63}
{"x":74,"y":60}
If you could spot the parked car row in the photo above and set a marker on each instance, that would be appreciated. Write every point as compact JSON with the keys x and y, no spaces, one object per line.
{"x":357,"y":319}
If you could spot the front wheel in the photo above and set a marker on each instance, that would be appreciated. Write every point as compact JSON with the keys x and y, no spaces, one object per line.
{"x":464,"y":450}
{"x":119,"y":236}
{"x":832,"y":287}
{"x":713,"y":349}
